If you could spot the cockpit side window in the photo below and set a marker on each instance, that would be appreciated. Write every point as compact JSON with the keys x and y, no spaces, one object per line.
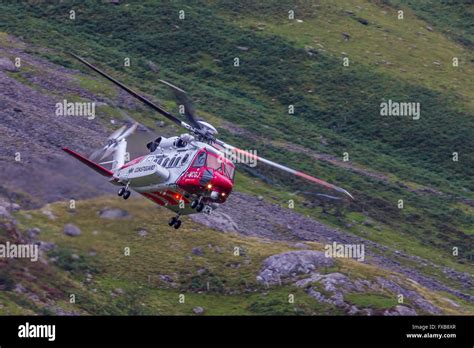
{"x":200,"y":160}
{"x":229,"y":170}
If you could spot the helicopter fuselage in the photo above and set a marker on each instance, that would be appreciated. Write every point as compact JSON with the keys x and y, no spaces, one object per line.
{"x":175,"y":174}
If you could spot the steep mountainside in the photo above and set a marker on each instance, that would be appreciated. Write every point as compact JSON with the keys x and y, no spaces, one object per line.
{"x":283,"y":62}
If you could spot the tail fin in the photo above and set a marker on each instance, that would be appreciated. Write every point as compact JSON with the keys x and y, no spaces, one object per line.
{"x":119,"y":155}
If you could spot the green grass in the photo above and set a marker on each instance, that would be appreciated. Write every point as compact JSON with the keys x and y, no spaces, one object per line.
{"x":97,"y":86}
{"x":453,"y":18}
{"x":374,"y":301}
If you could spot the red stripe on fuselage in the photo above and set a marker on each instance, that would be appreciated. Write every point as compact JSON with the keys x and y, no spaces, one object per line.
{"x":132,"y":162}
{"x":153,"y":198}
{"x":163,"y":198}
{"x":170,"y":200}
{"x":174,"y":194}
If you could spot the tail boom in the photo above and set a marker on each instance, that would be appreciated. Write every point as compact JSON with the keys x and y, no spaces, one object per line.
{"x":97,"y":167}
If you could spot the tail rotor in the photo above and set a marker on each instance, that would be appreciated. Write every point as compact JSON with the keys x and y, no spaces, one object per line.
{"x":115,"y":143}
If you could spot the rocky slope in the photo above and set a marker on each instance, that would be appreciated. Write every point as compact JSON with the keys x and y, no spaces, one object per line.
{"x":81,"y":252}
{"x":31,"y":129}
{"x":276,"y":223}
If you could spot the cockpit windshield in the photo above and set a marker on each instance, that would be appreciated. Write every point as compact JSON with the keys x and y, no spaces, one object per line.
{"x":221,"y":165}
{"x":213,"y":162}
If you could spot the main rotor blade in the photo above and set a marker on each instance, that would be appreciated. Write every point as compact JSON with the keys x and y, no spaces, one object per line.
{"x":286,"y":169}
{"x":183,"y":99}
{"x":162,"y":111}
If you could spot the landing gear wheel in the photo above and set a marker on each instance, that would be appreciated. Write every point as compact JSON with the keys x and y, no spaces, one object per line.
{"x":172,"y":221}
{"x":194,"y":204}
{"x":175,"y":222}
{"x":127,"y":194}
{"x":121,"y":191}
{"x":200,"y":207}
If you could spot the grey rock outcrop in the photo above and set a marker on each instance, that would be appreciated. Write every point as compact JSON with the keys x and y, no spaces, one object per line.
{"x":290,"y":264}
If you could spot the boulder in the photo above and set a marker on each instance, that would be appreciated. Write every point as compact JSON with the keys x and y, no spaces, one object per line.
{"x":6,"y":207}
{"x":113,"y":213}
{"x":45,"y":246}
{"x":72,"y":230}
{"x":33,"y":232}
{"x":46,"y":210}
{"x":166,"y":278}
{"x":19,"y":289}
{"x":153,"y":66}
{"x":201,"y":271}
{"x":400,"y":310}
{"x":197,"y":251}
{"x":7,"y":65}
{"x":119,"y":291}
{"x":4,"y":212}
{"x":310,"y":50}
{"x":353,"y":310}
{"x":198,"y":310}
{"x":290,"y":264}
{"x":142,"y":233}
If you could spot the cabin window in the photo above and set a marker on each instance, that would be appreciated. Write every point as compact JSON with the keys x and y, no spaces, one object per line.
{"x":177,"y":161}
{"x":185,"y":158}
{"x":172,"y":162}
{"x":166,"y":162}
{"x":160,"y":160}
{"x":200,"y":160}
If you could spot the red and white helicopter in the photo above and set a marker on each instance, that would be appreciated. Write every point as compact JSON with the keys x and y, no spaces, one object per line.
{"x":188,"y":174}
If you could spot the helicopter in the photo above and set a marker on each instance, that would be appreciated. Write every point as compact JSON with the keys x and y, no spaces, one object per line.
{"x":190,"y":173}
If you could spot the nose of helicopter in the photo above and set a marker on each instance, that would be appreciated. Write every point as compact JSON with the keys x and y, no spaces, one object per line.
{"x":221,"y":186}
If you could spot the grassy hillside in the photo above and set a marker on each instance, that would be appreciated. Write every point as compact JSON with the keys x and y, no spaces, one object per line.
{"x":454,"y":18}
{"x":337,"y":108}
{"x":161,"y":266}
